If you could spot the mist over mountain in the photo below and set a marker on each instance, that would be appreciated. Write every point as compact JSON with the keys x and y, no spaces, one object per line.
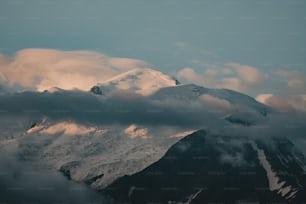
{"x":152,"y":102}
{"x":117,"y":134}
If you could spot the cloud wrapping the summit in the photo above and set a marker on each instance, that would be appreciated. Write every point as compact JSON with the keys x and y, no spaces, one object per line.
{"x":282,"y":89}
{"x":233,"y":76}
{"x":215,"y":103}
{"x":40,"y":69}
{"x":284,"y":102}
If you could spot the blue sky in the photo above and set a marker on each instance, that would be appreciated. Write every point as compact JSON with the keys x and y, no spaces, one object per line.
{"x":171,"y":35}
{"x":248,"y":32}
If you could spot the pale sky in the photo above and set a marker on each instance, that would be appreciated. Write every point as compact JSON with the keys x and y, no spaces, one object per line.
{"x":212,"y":40}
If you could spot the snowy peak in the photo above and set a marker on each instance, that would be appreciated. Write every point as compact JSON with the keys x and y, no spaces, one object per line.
{"x":218,"y":97}
{"x":143,"y":81}
{"x":53,"y":90}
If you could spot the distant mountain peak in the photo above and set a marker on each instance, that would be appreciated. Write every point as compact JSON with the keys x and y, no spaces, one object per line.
{"x":144,"y":81}
{"x":53,"y":90}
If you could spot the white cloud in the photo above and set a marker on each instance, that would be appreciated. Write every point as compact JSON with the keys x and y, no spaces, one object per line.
{"x":284,"y":102}
{"x":68,"y":128}
{"x":263,"y":97}
{"x":126,"y":63}
{"x":190,"y":75}
{"x":215,"y":102}
{"x":247,"y":79}
{"x":133,"y":131}
{"x":234,"y":76}
{"x":247,"y":73}
{"x":40,"y":69}
{"x":291,"y":91}
{"x":295,"y":81}
{"x":231,"y":83}
{"x":227,"y":71}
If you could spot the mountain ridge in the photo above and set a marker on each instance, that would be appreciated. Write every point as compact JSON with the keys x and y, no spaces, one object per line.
{"x":144,"y":81}
{"x":199,"y":169}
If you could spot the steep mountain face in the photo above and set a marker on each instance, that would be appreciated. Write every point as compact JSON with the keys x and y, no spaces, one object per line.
{"x":96,"y":155}
{"x":209,"y":168}
{"x":143,"y":81}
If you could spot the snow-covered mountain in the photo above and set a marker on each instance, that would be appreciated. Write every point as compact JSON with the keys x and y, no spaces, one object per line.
{"x":143,"y":81}
{"x":96,"y":155}
{"x":219,"y":98}
{"x":213,"y":168}
{"x":99,"y":140}
{"x":231,"y":106}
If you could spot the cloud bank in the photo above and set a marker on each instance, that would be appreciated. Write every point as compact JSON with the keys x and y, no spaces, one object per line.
{"x":25,"y":182}
{"x":282,"y":89}
{"x":233,"y":76}
{"x":284,"y":102}
{"x":119,"y":107}
{"x":41,"y":69}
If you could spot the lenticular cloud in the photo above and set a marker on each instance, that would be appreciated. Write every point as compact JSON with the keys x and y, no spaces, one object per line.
{"x":41,"y":69}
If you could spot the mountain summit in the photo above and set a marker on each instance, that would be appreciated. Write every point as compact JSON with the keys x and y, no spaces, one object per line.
{"x":143,"y":81}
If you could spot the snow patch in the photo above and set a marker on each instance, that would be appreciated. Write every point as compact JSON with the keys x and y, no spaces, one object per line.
{"x":36,"y":126}
{"x":133,"y":131}
{"x":183,"y":134}
{"x":275,"y":183}
{"x":142,"y":81}
{"x":68,"y":128}
{"x":193,"y":196}
{"x":215,"y":101}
